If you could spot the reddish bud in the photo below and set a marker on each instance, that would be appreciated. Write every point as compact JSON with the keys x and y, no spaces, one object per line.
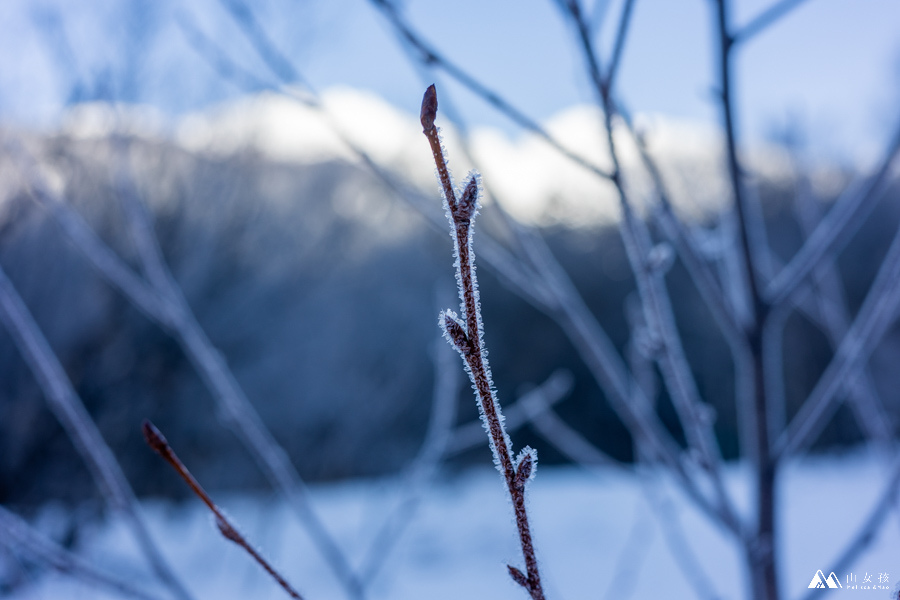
{"x":518,"y":576}
{"x":468,"y":202}
{"x":523,"y":470}
{"x":429,"y":109}
{"x":456,"y":333}
{"x":154,"y":437}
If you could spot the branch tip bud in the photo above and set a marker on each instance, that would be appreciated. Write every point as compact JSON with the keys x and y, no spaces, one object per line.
{"x":154,"y":437}
{"x":429,"y":109}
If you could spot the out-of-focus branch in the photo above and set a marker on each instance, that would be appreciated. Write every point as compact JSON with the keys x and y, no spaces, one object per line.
{"x":23,"y":540}
{"x":160,"y":445}
{"x":834,"y":230}
{"x":273,"y":57}
{"x":81,"y":429}
{"x":877,"y":313}
{"x":694,"y":415}
{"x":765,"y":19}
{"x":619,"y":47}
{"x":761,"y":548}
{"x":829,"y":299}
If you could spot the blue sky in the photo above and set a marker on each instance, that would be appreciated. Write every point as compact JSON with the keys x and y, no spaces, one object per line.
{"x":830,"y":66}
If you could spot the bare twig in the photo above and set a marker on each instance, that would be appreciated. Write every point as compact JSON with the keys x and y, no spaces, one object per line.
{"x":765,"y":19}
{"x":835,"y":229}
{"x":868,"y":407}
{"x":158,"y":443}
{"x":879,"y":310}
{"x":467,"y":338}
{"x":21,"y":539}
{"x":81,"y":429}
{"x":619,"y":47}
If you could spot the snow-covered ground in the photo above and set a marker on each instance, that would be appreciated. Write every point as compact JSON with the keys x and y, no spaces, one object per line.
{"x":596,"y":534}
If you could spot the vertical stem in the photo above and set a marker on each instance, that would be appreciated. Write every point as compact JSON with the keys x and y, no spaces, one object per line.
{"x":761,"y":550}
{"x":469,"y":343}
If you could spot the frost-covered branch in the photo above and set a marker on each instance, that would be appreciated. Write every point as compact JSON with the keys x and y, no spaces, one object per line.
{"x":466,"y":335}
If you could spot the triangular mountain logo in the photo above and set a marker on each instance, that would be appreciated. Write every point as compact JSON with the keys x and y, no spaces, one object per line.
{"x":832,"y":581}
{"x":819,"y":581}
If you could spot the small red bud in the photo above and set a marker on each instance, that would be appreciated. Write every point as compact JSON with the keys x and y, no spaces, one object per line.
{"x":429,"y":109}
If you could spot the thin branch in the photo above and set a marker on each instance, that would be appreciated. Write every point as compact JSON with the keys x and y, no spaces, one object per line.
{"x":22,"y":539}
{"x":675,"y":537}
{"x":835,"y":230}
{"x":877,"y":313}
{"x":81,"y":429}
{"x":224,"y":66}
{"x":682,"y":239}
{"x":619,"y":47}
{"x":158,"y":443}
{"x":272,"y":56}
{"x":833,"y":315}
{"x":765,"y":19}
{"x":467,"y":338}
{"x":761,"y":549}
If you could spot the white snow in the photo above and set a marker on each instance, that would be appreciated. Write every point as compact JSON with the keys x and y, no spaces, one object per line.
{"x":595,"y":534}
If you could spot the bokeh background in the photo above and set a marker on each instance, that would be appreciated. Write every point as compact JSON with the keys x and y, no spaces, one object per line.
{"x":239,"y":127}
